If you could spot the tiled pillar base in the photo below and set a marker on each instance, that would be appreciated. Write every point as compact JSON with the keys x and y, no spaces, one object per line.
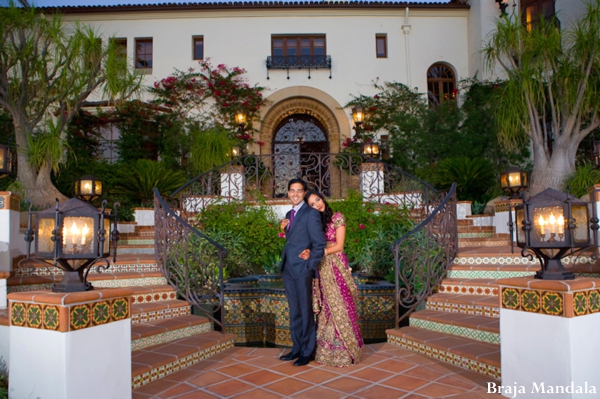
{"x":70,"y":345}
{"x":548,"y":346}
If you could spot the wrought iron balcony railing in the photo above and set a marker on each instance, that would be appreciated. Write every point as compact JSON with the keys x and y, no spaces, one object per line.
{"x":309,"y":62}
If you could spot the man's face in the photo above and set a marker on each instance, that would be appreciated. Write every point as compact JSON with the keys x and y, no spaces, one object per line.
{"x":296,"y":193}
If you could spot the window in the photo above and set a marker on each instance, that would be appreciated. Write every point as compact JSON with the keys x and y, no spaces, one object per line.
{"x":143,"y":53}
{"x":441,"y":84}
{"x":381,"y":45}
{"x":120,"y":46}
{"x":298,"y":46}
{"x":198,"y":47}
{"x":532,"y":11}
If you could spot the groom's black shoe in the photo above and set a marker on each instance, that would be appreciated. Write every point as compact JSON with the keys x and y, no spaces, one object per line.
{"x":290,"y":356}
{"x":303,"y":361}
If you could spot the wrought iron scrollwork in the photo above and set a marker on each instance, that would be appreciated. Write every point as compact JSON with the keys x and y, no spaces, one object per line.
{"x":423,"y":255}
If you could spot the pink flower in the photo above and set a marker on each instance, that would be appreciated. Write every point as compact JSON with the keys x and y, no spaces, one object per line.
{"x":266,"y":195}
{"x":281,"y":235}
{"x":361,"y":226}
{"x":260,"y":142}
{"x":369,"y":210}
{"x":371,"y":221}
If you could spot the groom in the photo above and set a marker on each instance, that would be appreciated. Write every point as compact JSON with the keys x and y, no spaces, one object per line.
{"x":304,"y":230}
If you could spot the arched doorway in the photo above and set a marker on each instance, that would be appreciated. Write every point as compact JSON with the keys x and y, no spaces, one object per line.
{"x":300,"y":146}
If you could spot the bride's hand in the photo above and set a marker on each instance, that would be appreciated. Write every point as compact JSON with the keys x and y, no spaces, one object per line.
{"x":284,"y":223}
{"x":305,"y":254}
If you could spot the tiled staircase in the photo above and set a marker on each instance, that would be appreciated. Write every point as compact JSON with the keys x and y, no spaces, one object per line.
{"x":165,"y":336}
{"x":460,"y":323}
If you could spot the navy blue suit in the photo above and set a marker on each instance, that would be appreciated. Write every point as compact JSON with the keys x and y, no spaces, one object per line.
{"x":305,"y":231}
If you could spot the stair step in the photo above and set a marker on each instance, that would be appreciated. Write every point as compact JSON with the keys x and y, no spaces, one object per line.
{"x":126,"y":279}
{"x":151,"y":294}
{"x":152,"y":311}
{"x":479,"y":305}
{"x":156,"y":362}
{"x":158,"y":332}
{"x":500,"y":255}
{"x":478,"y":286}
{"x":481,"y":357}
{"x":135,"y":249}
{"x":136,"y":240}
{"x":478,"y":328}
{"x":491,"y":271}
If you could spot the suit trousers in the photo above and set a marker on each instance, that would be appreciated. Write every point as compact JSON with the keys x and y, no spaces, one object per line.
{"x":302,"y":320}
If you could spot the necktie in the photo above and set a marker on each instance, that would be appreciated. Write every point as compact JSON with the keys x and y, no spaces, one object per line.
{"x":291,"y":219}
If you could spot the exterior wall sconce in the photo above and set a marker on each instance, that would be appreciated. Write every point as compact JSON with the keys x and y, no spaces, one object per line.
{"x":240,"y":119}
{"x":514,"y":181}
{"x":370,"y":149}
{"x":236,"y":152}
{"x":551,"y":224}
{"x":74,"y":234}
{"x":358,"y":115}
{"x":7,"y":160}
{"x":88,"y":188}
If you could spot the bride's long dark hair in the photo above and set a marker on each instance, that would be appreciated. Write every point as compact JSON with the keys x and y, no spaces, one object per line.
{"x":327,"y":214}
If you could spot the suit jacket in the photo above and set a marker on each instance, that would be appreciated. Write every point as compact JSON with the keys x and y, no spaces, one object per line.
{"x":306,"y":231}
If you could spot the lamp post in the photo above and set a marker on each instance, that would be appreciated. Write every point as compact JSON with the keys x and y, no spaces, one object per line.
{"x":74,"y":234}
{"x":596,"y":155}
{"x":551,"y":224}
{"x":370,"y":149}
{"x":88,"y":188}
{"x":502,"y":5}
{"x":513,"y":181}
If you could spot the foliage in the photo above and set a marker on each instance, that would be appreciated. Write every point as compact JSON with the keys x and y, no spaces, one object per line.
{"x":474,"y":177}
{"x":210,"y":148}
{"x":369,"y":230}
{"x":582,"y":180}
{"x":47,"y":69}
{"x":3,"y":387}
{"x":7,"y":133}
{"x":211,"y":96}
{"x":250,"y":234}
{"x":138,"y":180}
{"x":551,"y":94}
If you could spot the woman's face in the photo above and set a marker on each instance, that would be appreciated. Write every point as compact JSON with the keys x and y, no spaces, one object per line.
{"x":316,"y":202}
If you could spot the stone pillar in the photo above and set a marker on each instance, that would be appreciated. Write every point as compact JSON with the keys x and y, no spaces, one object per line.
{"x":9,"y":230}
{"x":232,"y":182}
{"x":371,"y":179}
{"x":463,"y":209}
{"x":70,"y":345}
{"x":545,"y":327}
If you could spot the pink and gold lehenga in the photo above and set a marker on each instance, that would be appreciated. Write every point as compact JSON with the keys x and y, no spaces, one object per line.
{"x":339,"y":342}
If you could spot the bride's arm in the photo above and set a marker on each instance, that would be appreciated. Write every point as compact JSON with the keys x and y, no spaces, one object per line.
{"x":340,"y":236}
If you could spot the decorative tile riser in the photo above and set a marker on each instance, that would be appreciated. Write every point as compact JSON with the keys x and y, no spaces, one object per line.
{"x":464,"y":309}
{"x":136,"y":241}
{"x":487,"y":274}
{"x":179,"y":364}
{"x":130,"y":282}
{"x":485,"y":243}
{"x":468,"y":289}
{"x":589,"y":275}
{"x":514,"y":260}
{"x":475,"y":235}
{"x":457,"y":360}
{"x":154,"y":297}
{"x":122,"y":251}
{"x":162,"y":314}
{"x":120,"y":268}
{"x":477,"y":335}
{"x":170,"y":336}
{"x":29,"y":287}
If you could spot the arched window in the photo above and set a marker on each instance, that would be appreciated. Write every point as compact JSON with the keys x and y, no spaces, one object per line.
{"x":441,"y":84}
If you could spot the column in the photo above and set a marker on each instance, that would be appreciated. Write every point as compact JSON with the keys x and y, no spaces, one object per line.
{"x":70,"y":345}
{"x":501,"y":216}
{"x":547,"y":331}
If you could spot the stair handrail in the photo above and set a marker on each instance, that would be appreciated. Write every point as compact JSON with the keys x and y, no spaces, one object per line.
{"x":425,"y":254}
{"x":191,"y":261}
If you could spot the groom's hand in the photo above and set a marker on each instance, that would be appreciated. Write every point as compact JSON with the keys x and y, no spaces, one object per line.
{"x":305,"y":254}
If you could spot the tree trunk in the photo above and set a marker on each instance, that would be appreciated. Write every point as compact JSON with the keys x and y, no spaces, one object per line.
{"x":39,"y":188}
{"x":552,"y":172}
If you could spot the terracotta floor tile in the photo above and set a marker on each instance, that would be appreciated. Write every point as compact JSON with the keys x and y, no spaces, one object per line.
{"x":207,"y":379}
{"x":157,"y":386}
{"x":288,"y":368}
{"x":317,"y":376}
{"x":257,"y":394}
{"x":380,"y":392}
{"x":178,"y":389}
{"x":229,"y":388}
{"x":457,"y":382}
{"x":405,"y":382}
{"x":371,"y":374}
{"x":137,"y":395}
{"x":261,"y":377}
{"x":320,"y":393}
{"x":394,"y":366}
{"x":264,"y":361}
{"x":236,"y":370}
{"x":288,"y":386}
{"x":424,"y":373}
{"x":434,"y":390}
{"x":347,"y":384}
{"x":182,"y":375}
{"x":198,"y":395}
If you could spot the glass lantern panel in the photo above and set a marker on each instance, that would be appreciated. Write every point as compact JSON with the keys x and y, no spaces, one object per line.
{"x":581,"y":232}
{"x":548,"y":225}
{"x":106,"y":246}
{"x":78,"y":235}
{"x":44,"y":236}
{"x":86,"y":187}
{"x":504,"y":180}
{"x":97,"y":187}
{"x":519,"y":231}
{"x":514,"y":179}
{"x":1,"y":157}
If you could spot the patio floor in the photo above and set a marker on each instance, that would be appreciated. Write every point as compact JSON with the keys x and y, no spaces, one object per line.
{"x":386,"y":371}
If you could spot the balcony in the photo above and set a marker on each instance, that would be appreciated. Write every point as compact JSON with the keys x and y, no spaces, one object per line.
{"x":309,"y":62}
